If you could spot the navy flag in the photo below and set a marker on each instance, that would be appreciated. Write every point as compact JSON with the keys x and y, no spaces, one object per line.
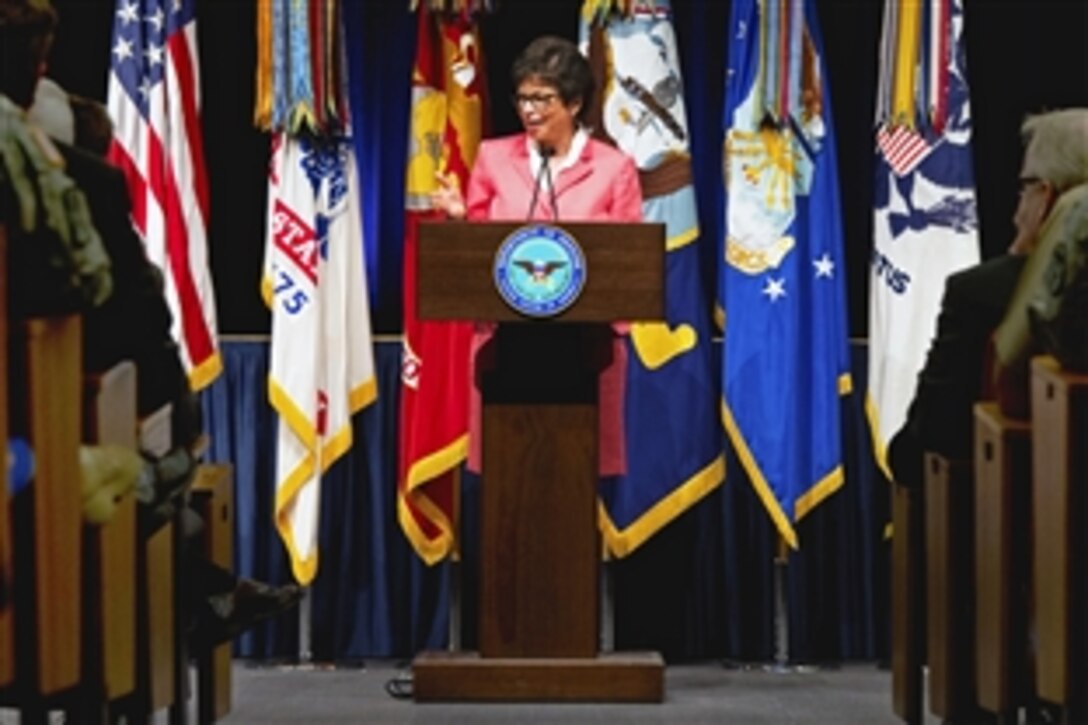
{"x":673,"y":442}
{"x":785,"y":356}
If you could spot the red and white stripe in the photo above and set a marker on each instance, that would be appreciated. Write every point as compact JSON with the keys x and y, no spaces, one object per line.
{"x":163,"y":161}
{"x":903,"y":148}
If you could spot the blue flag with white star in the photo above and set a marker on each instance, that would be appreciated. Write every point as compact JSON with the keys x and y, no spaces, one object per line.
{"x":782,"y":282}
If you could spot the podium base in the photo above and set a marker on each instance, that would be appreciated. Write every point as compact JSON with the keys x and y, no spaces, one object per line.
{"x":467,"y":677}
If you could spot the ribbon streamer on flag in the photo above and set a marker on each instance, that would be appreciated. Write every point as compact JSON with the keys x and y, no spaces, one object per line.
{"x":448,"y":107}
{"x":322,"y":367}
{"x":299,"y":79}
{"x":785,"y":356}
{"x":673,"y":441}
{"x":925,"y":224}
{"x":154,"y":102}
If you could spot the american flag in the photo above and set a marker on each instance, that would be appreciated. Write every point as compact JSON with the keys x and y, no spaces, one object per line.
{"x":903,"y":148}
{"x":154,"y":101}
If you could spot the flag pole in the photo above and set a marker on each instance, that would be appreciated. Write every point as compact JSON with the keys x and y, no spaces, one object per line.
{"x":305,"y":641}
{"x":607,"y":603}
{"x":456,"y":611}
{"x":781,"y":608}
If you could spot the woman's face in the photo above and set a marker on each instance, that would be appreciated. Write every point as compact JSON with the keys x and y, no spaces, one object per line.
{"x":546,"y":118}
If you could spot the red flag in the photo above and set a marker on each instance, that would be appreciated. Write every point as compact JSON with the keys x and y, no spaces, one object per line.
{"x":154,"y":101}
{"x":448,"y":107}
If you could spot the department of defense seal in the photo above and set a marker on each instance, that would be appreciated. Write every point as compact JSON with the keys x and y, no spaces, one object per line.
{"x":539,"y":270}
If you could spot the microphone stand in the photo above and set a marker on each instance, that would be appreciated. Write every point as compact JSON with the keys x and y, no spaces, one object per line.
{"x":551,"y":188}
{"x":546,"y":152}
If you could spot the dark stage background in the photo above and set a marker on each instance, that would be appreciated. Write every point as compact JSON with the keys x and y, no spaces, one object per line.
{"x":702,"y":587}
{"x":1023,"y":56}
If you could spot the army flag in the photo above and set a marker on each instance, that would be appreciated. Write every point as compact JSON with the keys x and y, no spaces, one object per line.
{"x":925,"y":223}
{"x":673,"y":441}
{"x":448,"y":106}
{"x":785,"y":356}
{"x":322,"y":368}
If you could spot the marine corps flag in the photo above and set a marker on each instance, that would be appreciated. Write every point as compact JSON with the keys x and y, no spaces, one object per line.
{"x":785,"y":357}
{"x":673,"y":442}
{"x":925,"y":223}
{"x":448,"y":105}
{"x":322,"y":368}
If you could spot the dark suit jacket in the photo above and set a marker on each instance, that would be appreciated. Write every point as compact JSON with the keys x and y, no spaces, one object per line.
{"x":134,"y":323}
{"x":940,"y":417}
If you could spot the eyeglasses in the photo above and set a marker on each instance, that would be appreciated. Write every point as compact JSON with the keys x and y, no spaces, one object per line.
{"x":1026,"y":182}
{"x":536,"y":101}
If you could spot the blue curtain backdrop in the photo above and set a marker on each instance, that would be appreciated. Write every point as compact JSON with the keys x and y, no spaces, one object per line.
{"x":702,"y":588}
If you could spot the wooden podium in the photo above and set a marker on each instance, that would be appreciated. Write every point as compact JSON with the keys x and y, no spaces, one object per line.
{"x":540,"y":547}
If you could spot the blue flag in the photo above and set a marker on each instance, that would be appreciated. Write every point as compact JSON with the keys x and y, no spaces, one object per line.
{"x":782,"y":281}
{"x":672,"y":440}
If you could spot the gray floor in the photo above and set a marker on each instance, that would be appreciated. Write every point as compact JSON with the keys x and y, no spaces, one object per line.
{"x":706,"y":693}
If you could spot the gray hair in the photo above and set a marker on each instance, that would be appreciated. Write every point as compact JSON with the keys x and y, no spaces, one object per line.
{"x":1057,"y":146}
{"x":52,"y":112}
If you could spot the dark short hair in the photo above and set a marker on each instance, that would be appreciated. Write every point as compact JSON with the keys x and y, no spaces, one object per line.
{"x":556,"y":62}
{"x":26,"y":33}
{"x":94,"y":129}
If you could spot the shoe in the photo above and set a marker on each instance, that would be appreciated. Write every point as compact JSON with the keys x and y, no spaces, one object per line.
{"x":226,"y":616}
{"x":108,"y":473}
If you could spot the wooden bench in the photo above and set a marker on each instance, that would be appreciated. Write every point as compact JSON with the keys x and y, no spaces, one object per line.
{"x":908,"y":603}
{"x":157,"y":635}
{"x":7,"y":631}
{"x":949,"y":544}
{"x":1002,"y":560}
{"x":45,"y":409}
{"x":213,"y":498}
{"x":1059,"y":404}
{"x":109,"y":562}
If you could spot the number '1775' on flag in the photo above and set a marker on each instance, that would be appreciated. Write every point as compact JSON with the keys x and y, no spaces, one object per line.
{"x":785,"y":356}
{"x":322,"y":367}
{"x":154,"y":102}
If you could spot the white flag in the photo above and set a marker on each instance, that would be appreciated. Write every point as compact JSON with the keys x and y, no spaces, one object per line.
{"x":322,"y":368}
{"x":925,"y":223}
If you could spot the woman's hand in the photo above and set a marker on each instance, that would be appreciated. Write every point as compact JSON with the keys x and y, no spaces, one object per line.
{"x":447,"y":197}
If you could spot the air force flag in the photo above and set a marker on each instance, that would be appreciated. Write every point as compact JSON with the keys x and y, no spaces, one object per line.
{"x":785,"y":358}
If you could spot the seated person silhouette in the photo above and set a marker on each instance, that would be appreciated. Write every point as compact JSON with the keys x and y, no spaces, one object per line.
{"x":124,"y":318}
{"x":976,"y":299}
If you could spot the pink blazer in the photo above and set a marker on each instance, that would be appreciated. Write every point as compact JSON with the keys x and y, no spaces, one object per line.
{"x":602,"y":185}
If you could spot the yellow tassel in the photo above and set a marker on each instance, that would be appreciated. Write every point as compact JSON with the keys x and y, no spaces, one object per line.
{"x":262,"y":105}
{"x":906,"y":60}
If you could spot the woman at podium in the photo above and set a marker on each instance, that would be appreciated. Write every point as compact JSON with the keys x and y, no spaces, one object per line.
{"x":552,"y":171}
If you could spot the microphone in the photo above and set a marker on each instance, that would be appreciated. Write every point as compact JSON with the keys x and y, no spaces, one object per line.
{"x":546,"y":152}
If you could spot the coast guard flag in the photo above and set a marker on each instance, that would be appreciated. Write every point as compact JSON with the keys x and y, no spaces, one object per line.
{"x":785,"y":358}
{"x":448,"y":106}
{"x":322,"y":368}
{"x":925,"y":224}
{"x":154,"y":102}
{"x":673,"y":442}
